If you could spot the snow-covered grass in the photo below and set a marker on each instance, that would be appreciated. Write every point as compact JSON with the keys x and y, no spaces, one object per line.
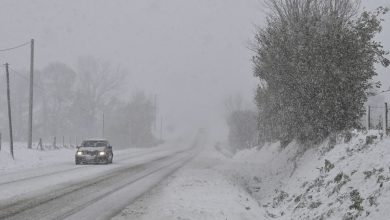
{"x":33,"y":158}
{"x":342,"y":180}
{"x":331,"y":181}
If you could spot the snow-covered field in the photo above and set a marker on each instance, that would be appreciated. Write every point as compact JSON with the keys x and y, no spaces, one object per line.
{"x":347,"y":181}
{"x":33,"y":158}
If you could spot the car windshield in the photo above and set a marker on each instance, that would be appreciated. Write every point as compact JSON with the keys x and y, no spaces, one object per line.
{"x":94,"y":144}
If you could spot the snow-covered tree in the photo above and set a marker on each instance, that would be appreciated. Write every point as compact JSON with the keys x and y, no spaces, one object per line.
{"x":141,"y":117}
{"x":315,"y":60}
{"x":55,"y":96}
{"x":242,"y":129}
{"x":130,"y":123}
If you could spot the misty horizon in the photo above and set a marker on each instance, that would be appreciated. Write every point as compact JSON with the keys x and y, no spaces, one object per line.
{"x":197,"y":50}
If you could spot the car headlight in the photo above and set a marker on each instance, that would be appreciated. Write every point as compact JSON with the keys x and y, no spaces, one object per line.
{"x":79,"y":153}
{"x":102,"y":153}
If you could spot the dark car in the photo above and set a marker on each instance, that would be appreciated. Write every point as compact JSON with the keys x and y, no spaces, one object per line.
{"x":97,"y":151}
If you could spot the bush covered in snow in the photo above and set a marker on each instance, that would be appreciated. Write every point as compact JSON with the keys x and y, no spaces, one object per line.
{"x":349,"y":181}
{"x":315,"y":61}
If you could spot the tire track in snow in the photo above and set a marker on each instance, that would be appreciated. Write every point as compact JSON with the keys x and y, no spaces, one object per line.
{"x":25,"y":204}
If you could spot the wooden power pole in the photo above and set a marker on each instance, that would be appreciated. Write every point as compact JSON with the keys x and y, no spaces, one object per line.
{"x":386,"y":111}
{"x":9,"y":113}
{"x":103,"y":126}
{"x":161,"y":128}
{"x":369,"y":118}
{"x":155,"y":113}
{"x":30,"y":110}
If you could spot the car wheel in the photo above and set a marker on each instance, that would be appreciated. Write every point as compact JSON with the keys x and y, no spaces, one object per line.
{"x":77,"y":162}
{"x":112,"y":158}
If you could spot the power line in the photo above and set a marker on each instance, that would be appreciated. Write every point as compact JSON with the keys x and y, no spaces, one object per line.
{"x":376,"y":106}
{"x":15,"y":47}
{"x":26,"y":78}
{"x":29,"y":144}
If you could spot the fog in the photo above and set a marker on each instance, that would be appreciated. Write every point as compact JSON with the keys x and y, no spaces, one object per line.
{"x":192,"y":54}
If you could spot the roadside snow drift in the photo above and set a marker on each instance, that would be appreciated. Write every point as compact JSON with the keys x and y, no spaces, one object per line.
{"x":346,"y":179}
{"x":333,"y":181}
{"x":33,"y":158}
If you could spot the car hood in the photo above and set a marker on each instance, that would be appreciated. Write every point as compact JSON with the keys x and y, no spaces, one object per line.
{"x":92,"y":148}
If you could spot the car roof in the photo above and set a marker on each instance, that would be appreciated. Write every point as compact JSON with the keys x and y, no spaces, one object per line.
{"x":95,"y":139}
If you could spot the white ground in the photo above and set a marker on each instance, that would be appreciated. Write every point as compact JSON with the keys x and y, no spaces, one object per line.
{"x":198,"y":191}
{"x":48,"y":185}
{"x":266,"y":183}
{"x":29,"y":161}
{"x":355,"y":184}
{"x":275,"y":183}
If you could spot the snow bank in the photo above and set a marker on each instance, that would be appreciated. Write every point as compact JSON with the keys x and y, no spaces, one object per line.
{"x":33,"y":158}
{"x":345,"y":181}
{"x":336,"y":180}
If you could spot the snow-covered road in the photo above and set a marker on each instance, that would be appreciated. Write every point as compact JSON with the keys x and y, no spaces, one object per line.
{"x":66,"y":191}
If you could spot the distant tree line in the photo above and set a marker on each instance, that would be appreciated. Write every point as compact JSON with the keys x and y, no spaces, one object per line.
{"x":315,"y":61}
{"x":71,"y":102}
{"x":242,"y":124}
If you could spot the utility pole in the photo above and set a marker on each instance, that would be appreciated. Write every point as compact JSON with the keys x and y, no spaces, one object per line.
{"x":161,"y":128}
{"x":103,"y":126}
{"x":155,"y":113}
{"x":368,"y":117}
{"x":9,"y":114}
{"x":30,"y":110}
{"x":386,"y":111}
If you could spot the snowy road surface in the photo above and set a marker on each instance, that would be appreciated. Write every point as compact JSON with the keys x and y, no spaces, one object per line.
{"x":66,"y":191}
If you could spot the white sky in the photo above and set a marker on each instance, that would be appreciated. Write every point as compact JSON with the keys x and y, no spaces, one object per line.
{"x":192,"y":53}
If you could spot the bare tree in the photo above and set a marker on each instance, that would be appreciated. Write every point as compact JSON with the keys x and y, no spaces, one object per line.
{"x":233,"y":103}
{"x":56,"y":94}
{"x":97,"y":83}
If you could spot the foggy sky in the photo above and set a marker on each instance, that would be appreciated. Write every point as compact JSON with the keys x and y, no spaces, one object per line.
{"x":192,"y":53}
